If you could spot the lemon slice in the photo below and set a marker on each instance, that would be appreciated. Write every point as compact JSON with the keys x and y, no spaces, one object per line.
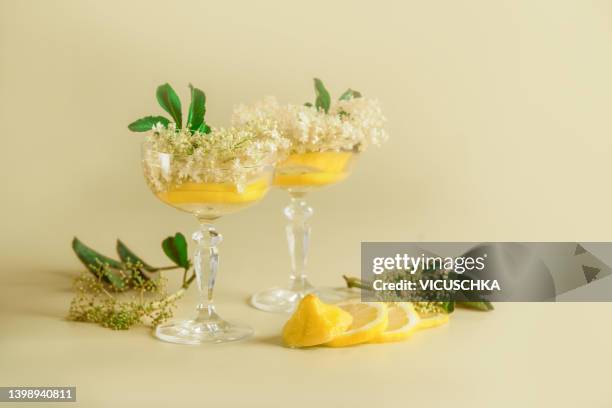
{"x":403,"y":321}
{"x":315,"y":323}
{"x":433,"y":320}
{"x":369,"y":320}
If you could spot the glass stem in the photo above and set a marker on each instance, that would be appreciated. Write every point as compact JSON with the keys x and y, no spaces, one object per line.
{"x":298,"y":237}
{"x":206,"y":264}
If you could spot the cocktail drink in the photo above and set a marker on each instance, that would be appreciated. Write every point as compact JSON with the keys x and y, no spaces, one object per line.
{"x":325,"y":138}
{"x":212,"y":200}
{"x":300,"y":174}
{"x":208,"y":194}
{"x":208,"y":172}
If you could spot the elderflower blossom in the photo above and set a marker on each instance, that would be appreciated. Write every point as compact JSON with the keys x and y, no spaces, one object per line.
{"x":352,"y":124}
{"x":225,"y":155}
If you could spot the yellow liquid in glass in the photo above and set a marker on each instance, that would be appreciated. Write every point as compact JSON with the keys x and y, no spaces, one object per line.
{"x":211,"y":200}
{"x":304,"y":171}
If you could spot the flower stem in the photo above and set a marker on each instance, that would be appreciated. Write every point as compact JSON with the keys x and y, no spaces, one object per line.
{"x":168,"y":268}
{"x":168,"y":299}
{"x":188,"y":281}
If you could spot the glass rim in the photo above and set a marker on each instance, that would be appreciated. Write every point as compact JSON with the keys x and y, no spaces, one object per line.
{"x":354,"y":150}
{"x":269,"y":160}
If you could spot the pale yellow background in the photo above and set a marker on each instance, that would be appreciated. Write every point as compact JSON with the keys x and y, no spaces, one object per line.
{"x":500,"y":121}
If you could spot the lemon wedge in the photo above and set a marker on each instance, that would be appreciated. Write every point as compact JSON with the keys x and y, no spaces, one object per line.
{"x":315,"y":323}
{"x":403,"y":321}
{"x":433,"y":320}
{"x":369,"y":321}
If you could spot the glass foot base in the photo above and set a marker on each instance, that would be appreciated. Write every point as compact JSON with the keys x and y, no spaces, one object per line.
{"x":194,"y":331}
{"x":284,"y":300}
{"x":337,"y":295}
{"x":276,"y":300}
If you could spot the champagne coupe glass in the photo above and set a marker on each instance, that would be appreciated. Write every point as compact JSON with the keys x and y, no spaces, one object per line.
{"x":300,"y":174}
{"x":208,"y":196}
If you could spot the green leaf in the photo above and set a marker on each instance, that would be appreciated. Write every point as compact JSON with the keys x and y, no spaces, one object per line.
{"x":94,"y":260}
{"x":170,"y":102}
{"x":449,"y":307}
{"x":145,"y":124}
{"x":197,"y":109}
{"x":352,"y":282}
{"x":115,"y":280}
{"x":323,"y":100}
{"x":127,"y":256}
{"x":350,"y":94}
{"x":204,"y":128}
{"x":176,"y":249}
{"x":484,"y":306}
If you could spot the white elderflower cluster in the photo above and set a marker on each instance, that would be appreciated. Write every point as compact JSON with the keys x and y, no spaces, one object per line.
{"x":225,"y":155}
{"x":352,"y":124}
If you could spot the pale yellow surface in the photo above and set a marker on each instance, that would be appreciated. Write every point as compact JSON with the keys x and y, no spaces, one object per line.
{"x":499,"y":114}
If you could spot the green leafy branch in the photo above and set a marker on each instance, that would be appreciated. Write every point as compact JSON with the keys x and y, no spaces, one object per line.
{"x":323,"y":98}
{"x":171,"y":103}
{"x":443,"y":306}
{"x":119,"y":293}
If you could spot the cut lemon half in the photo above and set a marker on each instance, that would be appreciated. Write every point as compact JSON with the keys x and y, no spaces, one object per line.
{"x":403,"y":321}
{"x":369,"y":320}
{"x":433,"y":320}
{"x":315,"y":323}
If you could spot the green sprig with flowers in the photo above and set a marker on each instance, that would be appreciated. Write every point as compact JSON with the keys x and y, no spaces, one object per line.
{"x":120,"y":293}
